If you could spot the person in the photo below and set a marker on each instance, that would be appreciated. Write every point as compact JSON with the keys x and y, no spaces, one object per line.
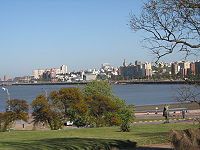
{"x":183,"y":114}
{"x":156,"y":110}
{"x":166,"y":113}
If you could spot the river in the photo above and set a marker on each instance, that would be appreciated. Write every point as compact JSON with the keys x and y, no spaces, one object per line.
{"x":139,"y":94}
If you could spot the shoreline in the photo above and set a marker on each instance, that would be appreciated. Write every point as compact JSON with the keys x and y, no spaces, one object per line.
{"x":112,"y":82}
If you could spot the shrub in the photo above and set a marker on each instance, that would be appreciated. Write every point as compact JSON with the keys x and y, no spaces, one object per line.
{"x":188,"y":139}
{"x":127,"y":116}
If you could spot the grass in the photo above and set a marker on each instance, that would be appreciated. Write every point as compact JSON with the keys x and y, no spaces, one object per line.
{"x":88,"y":138}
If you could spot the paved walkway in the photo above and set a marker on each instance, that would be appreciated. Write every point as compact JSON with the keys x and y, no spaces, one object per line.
{"x":157,"y":121}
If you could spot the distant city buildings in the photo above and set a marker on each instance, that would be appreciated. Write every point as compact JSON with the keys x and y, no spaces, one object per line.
{"x":50,"y":73}
{"x":185,"y":68}
{"x":6,"y":78}
{"x":137,"y":70}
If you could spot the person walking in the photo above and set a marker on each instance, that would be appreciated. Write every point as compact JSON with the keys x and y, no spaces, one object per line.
{"x":183,"y":114}
{"x":166,"y":113}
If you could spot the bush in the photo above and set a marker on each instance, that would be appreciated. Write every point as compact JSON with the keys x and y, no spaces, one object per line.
{"x":188,"y":139}
{"x":127,"y":116}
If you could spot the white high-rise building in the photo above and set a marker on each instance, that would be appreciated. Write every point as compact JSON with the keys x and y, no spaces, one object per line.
{"x":63,"y":69}
{"x":38,"y":73}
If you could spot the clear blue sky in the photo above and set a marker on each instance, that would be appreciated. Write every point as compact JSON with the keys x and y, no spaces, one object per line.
{"x":82,"y":34}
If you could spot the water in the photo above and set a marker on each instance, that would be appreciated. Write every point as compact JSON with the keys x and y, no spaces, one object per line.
{"x":140,"y":94}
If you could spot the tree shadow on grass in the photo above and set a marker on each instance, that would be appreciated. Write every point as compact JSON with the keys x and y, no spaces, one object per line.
{"x":71,"y":144}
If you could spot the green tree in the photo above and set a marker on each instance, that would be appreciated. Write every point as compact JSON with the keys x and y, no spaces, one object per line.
{"x":69,"y":101}
{"x":127,"y":116}
{"x":100,"y":109}
{"x":45,"y":112}
{"x":78,"y":114}
{"x":106,"y":109}
{"x":19,"y":109}
{"x":98,"y":87}
{"x":64,"y":97}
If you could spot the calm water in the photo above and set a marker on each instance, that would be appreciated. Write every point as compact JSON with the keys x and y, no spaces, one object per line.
{"x":133,"y":94}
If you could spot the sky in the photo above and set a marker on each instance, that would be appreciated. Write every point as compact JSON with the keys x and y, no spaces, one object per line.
{"x":42,"y":34}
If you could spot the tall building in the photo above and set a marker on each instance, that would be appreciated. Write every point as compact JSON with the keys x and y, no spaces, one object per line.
{"x":38,"y":73}
{"x":197,"y":67}
{"x":174,"y":68}
{"x":6,"y":78}
{"x":125,"y":64}
{"x":147,"y":69}
{"x":63,"y":69}
{"x":184,"y":68}
{"x":138,"y":63}
{"x":192,"y":68}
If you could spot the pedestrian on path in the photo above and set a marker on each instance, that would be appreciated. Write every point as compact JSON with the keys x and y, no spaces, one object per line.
{"x":183,"y":114}
{"x":166,"y":113}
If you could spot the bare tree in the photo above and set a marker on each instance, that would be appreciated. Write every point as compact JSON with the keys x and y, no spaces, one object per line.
{"x":173,"y":25}
{"x":188,"y":93}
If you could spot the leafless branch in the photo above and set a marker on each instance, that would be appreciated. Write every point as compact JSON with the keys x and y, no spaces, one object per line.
{"x":172,"y":25}
{"x":188,"y":93}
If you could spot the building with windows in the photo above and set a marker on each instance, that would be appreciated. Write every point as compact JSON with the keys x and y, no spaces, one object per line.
{"x":197,"y":67}
{"x":63,"y":69}
{"x":136,"y":71}
{"x":48,"y":73}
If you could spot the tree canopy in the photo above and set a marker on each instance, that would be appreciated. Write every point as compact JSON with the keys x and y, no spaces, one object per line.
{"x":98,"y":87}
{"x":19,"y":109}
{"x":96,"y":106}
{"x":46,"y":112}
{"x":172,"y":25}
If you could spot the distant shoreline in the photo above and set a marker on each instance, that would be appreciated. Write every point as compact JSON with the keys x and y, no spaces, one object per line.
{"x":112,"y":82}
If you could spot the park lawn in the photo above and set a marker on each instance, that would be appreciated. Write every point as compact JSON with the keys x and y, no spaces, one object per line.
{"x":89,"y":138}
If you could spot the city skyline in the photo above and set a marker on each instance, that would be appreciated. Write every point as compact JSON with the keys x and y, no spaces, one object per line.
{"x":44,"y":34}
{"x":184,"y":67}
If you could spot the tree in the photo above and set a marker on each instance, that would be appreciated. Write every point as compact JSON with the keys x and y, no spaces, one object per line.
{"x":78,"y":113}
{"x":105,"y":109}
{"x":65,"y":96}
{"x":48,"y":113}
{"x":69,"y":104}
{"x":171,"y":25}
{"x":98,"y":87}
{"x":188,"y":93}
{"x":100,"y":109}
{"x":1,"y":121}
{"x":127,"y":116}
{"x":18,"y":111}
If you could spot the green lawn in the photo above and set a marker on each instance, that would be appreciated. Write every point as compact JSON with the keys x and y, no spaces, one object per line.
{"x":88,"y":138}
